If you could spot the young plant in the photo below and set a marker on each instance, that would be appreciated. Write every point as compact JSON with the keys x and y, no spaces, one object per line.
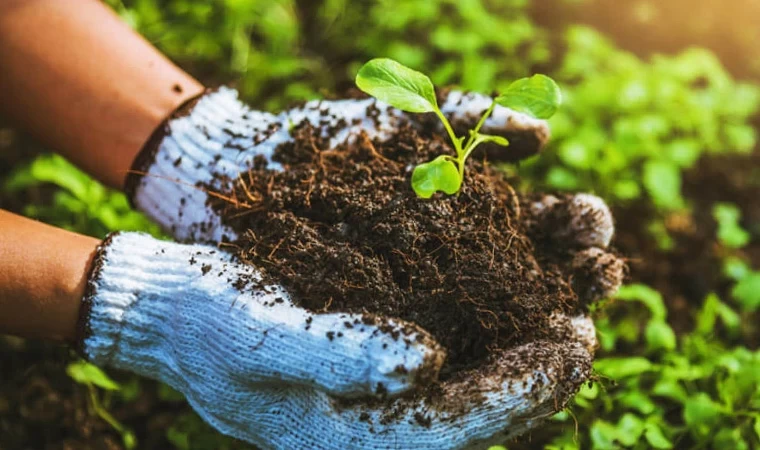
{"x":412,"y":91}
{"x":91,"y":376}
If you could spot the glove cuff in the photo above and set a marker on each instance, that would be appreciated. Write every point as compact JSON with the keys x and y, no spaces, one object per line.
{"x":133,"y":290}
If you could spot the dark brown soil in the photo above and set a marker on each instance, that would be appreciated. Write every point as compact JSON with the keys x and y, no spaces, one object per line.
{"x":343,"y":231}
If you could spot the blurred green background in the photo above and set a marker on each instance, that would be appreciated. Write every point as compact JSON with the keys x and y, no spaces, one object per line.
{"x":660,"y":119}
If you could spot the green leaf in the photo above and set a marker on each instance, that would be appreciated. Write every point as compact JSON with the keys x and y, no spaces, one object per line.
{"x":662,"y":180}
{"x":85,"y":373}
{"x":629,"y":429}
{"x":646,"y":295}
{"x":659,"y":336}
{"x":561,"y":178}
{"x":670,"y":388}
{"x":638,"y":401}
{"x":735,"y":268}
{"x":440,"y":174}
{"x":129,"y":439}
{"x":397,"y":85}
{"x":701,"y":413}
{"x":729,"y":438}
{"x":623,"y":367}
{"x":730,"y":232}
{"x":604,"y":435}
{"x":747,"y":291}
{"x":712,"y":309}
{"x":656,"y":438}
{"x":756,"y":427}
{"x":538,"y":96}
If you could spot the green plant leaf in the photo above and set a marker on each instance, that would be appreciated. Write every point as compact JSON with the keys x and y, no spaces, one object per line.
{"x":85,"y":373}
{"x":701,"y":413}
{"x":747,"y":291}
{"x":623,"y":367}
{"x":730,"y":232}
{"x":129,"y":439}
{"x":397,"y":85}
{"x":646,"y":295}
{"x":660,"y":336}
{"x":656,"y":438}
{"x":670,"y":388}
{"x":729,"y":438}
{"x":713,"y":309}
{"x":604,"y":435}
{"x":735,"y":268}
{"x":440,"y":174}
{"x":662,"y":179}
{"x":629,"y":429}
{"x":638,"y":401}
{"x":538,"y":96}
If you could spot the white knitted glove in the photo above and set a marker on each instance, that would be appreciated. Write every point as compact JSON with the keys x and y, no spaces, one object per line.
{"x":190,"y":316}
{"x":217,"y":138}
{"x":259,"y":369}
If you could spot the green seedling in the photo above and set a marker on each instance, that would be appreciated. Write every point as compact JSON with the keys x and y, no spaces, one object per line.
{"x":412,"y":91}
{"x":91,"y":376}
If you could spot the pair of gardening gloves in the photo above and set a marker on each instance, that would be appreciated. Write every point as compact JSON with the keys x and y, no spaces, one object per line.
{"x":259,"y":368}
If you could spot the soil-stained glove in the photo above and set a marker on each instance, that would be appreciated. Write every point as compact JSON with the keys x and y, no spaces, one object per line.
{"x":260,"y":369}
{"x":192,"y":317}
{"x":207,"y":143}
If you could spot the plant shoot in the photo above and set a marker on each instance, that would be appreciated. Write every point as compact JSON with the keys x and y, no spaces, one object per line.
{"x":412,"y":91}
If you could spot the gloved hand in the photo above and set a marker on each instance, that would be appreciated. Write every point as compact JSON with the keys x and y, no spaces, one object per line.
{"x":192,"y":317}
{"x":260,"y":369}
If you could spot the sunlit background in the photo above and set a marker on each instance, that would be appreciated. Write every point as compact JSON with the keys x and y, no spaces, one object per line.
{"x":660,"y":119}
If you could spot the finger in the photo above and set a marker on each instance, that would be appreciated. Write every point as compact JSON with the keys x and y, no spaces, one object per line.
{"x":526,"y":135}
{"x":578,"y":221}
{"x":516,"y":391}
{"x":519,"y":390}
{"x":343,"y":354}
{"x":596,"y":274}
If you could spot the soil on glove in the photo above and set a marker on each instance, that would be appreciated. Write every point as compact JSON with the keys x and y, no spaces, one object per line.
{"x":343,"y":230}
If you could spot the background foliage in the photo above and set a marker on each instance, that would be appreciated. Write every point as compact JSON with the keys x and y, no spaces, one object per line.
{"x":657,"y":126}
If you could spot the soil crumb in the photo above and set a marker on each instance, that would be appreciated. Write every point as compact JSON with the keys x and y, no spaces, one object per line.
{"x":343,"y":230}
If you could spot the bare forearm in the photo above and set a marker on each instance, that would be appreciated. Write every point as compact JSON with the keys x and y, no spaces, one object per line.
{"x":43,"y":273}
{"x":84,"y":83}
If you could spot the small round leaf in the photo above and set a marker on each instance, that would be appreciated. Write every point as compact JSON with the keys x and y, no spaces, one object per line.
{"x":538,"y":96}
{"x":397,"y":85}
{"x":440,"y":174}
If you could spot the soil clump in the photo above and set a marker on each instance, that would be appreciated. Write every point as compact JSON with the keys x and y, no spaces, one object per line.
{"x":343,"y":231}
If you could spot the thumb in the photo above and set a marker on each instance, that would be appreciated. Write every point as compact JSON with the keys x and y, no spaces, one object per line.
{"x":342,"y":354}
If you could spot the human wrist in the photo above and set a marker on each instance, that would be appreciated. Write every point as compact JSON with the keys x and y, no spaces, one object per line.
{"x":43,"y":270}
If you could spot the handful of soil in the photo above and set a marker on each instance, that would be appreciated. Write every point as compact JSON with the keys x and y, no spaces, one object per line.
{"x":343,"y":231}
